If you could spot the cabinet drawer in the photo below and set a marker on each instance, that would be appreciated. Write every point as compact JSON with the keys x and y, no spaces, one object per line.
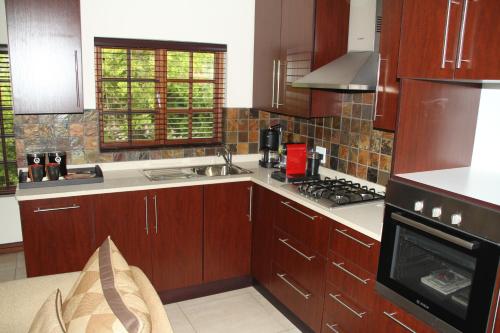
{"x":393,"y":319}
{"x":352,"y":280}
{"x":345,"y":312}
{"x":305,"y":225}
{"x":304,"y":303}
{"x":303,"y":264}
{"x":331,"y":325}
{"x":356,"y":247}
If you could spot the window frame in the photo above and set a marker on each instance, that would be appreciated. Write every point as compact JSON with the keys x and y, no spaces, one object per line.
{"x":161,"y":111}
{"x":4,"y":164}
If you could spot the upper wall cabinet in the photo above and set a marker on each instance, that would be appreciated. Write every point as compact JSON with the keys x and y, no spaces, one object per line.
{"x":450,"y":39}
{"x":45,"y":55}
{"x":283,"y":52}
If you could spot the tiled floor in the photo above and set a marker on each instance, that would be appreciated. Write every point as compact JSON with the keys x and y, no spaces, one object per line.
{"x":12,"y":266}
{"x":243,"y":310}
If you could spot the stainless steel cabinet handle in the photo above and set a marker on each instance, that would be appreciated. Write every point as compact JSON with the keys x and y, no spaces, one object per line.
{"x":375,"y":106}
{"x":340,"y":266}
{"x":462,"y":34}
{"x":446,"y":31}
{"x":332,"y":327}
{"x":356,"y":313}
{"x":285,"y":241}
{"x":344,"y":232}
{"x":438,"y":233}
{"x":274,"y":81}
{"x":278,"y":86}
{"x":77,"y":80}
{"x":282,"y":277}
{"x":391,"y":316}
{"x":250,"y":189}
{"x":41,"y":210}
{"x":287,"y":203}
{"x":156,"y":214}
{"x":147,"y":222}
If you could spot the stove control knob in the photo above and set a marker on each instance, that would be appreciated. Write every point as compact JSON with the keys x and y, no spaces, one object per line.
{"x":419,"y":206}
{"x":456,"y":219}
{"x":436,"y":212}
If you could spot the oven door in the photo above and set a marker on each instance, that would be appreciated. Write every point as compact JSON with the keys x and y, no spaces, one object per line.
{"x":438,"y":270}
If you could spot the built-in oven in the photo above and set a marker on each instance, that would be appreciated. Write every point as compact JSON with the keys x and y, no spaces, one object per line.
{"x":432,"y":265}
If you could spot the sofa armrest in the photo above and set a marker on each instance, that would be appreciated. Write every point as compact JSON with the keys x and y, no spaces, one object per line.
{"x":20,"y":300}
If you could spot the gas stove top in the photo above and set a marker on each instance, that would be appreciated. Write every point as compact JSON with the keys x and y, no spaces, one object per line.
{"x":332,"y":193}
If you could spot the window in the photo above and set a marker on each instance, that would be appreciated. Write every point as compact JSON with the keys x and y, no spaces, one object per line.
{"x":8,"y":167}
{"x":152,"y":94}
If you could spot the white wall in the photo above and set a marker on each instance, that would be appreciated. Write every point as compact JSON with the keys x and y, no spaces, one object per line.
{"x":486,"y":154}
{"x":228,"y":22}
{"x":10,"y":222}
{"x":3,"y":23}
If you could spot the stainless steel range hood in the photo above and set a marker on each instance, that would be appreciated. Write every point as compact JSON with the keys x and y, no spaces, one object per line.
{"x":358,"y":68}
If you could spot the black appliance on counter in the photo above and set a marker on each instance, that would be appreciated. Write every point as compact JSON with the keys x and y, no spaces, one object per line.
{"x":439,"y":257}
{"x":270,"y":141}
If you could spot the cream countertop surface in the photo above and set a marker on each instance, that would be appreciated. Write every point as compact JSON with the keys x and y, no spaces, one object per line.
{"x":366,"y":218}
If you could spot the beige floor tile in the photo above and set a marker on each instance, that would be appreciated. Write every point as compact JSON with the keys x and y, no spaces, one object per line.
{"x":227,"y":294}
{"x":240,"y":312}
{"x":278,"y":316}
{"x":20,"y":259}
{"x":8,"y":261}
{"x":7,"y":275}
{"x":20,"y":273}
{"x":178,"y":320}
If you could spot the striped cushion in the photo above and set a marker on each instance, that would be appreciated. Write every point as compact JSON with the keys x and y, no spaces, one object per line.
{"x":106,"y":297}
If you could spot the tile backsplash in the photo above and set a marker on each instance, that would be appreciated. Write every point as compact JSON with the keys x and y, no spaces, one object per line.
{"x":353,"y":146}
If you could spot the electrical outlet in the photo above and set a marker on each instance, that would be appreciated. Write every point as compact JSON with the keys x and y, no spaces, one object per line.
{"x":322,"y":151}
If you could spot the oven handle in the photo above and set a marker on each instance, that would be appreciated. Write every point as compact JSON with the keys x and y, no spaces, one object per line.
{"x":440,"y":234}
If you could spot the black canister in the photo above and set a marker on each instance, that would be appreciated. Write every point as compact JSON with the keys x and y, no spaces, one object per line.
{"x":36,"y":159}
{"x":59,"y":157}
{"x":313,"y":162}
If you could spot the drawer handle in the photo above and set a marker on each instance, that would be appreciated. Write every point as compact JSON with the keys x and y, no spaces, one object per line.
{"x":282,"y":276}
{"x":41,"y":210}
{"x":344,"y":232}
{"x":337,"y":298}
{"x":391,"y":316}
{"x":285,"y":241}
{"x":340,"y":266}
{"x":332,"y":327}
{"x":287,"y":203}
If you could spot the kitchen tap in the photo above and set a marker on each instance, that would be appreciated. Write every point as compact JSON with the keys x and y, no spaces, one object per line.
{"x":226,"y":155}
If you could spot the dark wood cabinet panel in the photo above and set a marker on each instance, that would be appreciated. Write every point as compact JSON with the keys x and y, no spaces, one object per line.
{"x":227,"y":231}
{"x":267,"y":48}
{"x":481,"y":42}
{"x":388,"y":84}
{"x":305,"y":225}
{"x":263,"y":217}
{"x":45,"y":55}
{"x":436,"y":126}
{"x":58,"y":234}
{"x":426,"y":50}
{"x":390,"y":318}
{"x":177,"y":242}
{"x":126,"y":217}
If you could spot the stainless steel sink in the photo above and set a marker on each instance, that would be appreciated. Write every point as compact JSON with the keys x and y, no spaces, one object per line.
{"x":194,"y":172}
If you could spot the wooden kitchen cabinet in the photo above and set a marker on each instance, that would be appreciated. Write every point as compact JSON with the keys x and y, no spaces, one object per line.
{"x":126,"y":217}
{"x":391,"y":318}
{"x":281,"y":58}
{"x":227,"y":231}
{"x":45,"y":55}
{"x":388,"y":83}
{"x":443,"y":39}
{"x":177,"y":237}
{"x":263,"y":218}
{"x":57,"y":234}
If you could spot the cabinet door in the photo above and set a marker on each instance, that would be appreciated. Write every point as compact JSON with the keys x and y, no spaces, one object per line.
{"x":263,"y":217}
{"x":266,"y":52}
{"x":127,"y":218}
{"x":429,"y":38}
{"x":297,"y":41}
{"x":481,"y":41}
{"x":45,"y":55}
{"x":57,"y":234}
{"x":227,"y":231}
{"x":388,"y":84}
{"x":177,"y":237}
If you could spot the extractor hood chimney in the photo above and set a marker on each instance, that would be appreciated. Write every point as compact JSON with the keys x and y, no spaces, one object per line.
{"x":358,"y":68}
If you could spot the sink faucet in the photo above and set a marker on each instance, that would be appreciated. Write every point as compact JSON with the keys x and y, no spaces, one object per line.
{"x":226,"y":155}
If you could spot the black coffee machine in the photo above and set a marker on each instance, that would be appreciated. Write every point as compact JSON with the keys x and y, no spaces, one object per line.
{"x":270,"y":141}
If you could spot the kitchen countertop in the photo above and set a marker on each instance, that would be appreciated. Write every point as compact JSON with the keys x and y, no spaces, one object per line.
{"x":366,"y":218}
